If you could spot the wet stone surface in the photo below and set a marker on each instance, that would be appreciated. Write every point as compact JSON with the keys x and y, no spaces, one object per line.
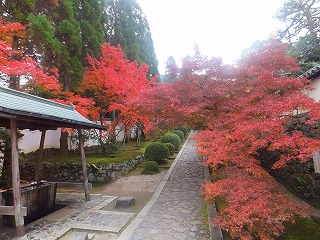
{"x":179,"y":211}
{"x":77,"y":215}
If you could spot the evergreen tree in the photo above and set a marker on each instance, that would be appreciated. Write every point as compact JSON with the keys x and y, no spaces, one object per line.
{"x":61,"y":46}
{"x":172,"y":70}
{"x":302,"y":27}
{"x":91,"y":17}
{"x":54,"y":35}
{"x":61,"y":34}
{"x":128,"y":27}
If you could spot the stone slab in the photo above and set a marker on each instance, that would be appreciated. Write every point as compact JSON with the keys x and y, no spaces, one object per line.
{"x":125,"y":202}
{"x":79,"y":236}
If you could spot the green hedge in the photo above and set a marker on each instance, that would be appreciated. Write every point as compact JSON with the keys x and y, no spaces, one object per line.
{"x":172,"y":138}
{"x":170,"y":146}
{"x":184,"y":129}
{"x":179,"y":133}
{"x":156,"y":152}
{"x":150,"y":166}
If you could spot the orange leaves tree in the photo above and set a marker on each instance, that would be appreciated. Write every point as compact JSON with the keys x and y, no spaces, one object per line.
{"x":14,"y":63}
{"x":36,"y":79}
{"x":113,"y":81}
{"x":241,"y":110}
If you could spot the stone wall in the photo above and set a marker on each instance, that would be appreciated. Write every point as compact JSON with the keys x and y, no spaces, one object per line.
{"x":72,"y":172}
{"x":300,"y":178}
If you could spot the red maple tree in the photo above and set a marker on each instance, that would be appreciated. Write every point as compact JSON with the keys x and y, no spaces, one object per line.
{"x":113,"y":81}
{"x":36,"y":78}
{"x":240,"y":110}
{"x":14,"y":63}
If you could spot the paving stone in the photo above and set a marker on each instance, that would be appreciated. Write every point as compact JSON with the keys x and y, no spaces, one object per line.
{"x":178,"y":209}
{"x":125,"y":202}
{"x":79,"y":236}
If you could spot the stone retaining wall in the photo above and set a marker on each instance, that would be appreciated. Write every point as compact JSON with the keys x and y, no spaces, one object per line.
{"x":72,"y":172}
{"x":300,"y":177}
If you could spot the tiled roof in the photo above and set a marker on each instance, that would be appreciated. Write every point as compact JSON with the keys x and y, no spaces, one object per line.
{"x":312,"y":72}
{"x":23,"y":104}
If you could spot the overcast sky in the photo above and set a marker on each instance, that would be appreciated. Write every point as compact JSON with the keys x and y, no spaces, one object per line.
{"x":220,"y":27}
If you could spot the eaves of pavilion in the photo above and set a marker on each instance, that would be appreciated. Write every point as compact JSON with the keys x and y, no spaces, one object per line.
{"x":20,"y":110}
{"x":312,"y":73}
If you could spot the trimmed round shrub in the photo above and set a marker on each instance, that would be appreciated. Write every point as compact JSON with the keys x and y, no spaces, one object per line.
{"x":179,"y":133}
{"x":156,"y":152}
{"x":170,"y":146}
{"x":184,"y":129}
{"x":172,"y":138}
{"x":150,"y":167}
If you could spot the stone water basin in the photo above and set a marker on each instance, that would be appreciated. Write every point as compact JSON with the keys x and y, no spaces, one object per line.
{"x":39,"y":200}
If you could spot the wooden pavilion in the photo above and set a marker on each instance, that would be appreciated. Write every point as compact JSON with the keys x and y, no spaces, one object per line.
{"x":19,"y":110}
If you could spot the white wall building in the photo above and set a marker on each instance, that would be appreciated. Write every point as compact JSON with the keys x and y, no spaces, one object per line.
{"x":314,"y":75}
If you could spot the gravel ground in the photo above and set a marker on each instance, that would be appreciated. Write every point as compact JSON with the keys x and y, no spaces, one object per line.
{"x":132,"y":183}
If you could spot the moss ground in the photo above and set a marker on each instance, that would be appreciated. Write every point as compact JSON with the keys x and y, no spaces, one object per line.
{"x":124,"y":153}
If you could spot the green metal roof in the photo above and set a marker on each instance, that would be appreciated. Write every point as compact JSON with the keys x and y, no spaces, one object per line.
{"x":313,"y":72}
{"x":32,"y":111}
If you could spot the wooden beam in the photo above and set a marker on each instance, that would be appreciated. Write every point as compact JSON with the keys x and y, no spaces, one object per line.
{"x":26,"y":125}
{"x":38,"y":164}
{"x":9,"y":210}
{"x":84,"y":166}
{"x":72,"y":185}
{"x":5,"y":115}
{"x":16,"y":179}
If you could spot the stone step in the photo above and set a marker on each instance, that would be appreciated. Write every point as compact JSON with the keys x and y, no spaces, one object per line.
{"x":79,"y":236}
{"x":125,"y":202}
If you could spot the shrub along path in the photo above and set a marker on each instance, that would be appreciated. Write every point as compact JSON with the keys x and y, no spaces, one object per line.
{"x":177,"y":209}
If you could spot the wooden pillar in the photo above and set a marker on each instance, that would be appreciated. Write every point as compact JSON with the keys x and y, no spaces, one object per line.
{"x":84,"y":166}
{"x":16,"y":179}
{"x":38,"y":164}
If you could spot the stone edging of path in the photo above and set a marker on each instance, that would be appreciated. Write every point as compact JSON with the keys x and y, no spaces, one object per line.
{"x":127,"y":233}
{"x":215,"y":230}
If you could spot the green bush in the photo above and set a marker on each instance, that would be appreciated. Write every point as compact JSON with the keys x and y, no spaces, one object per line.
{"x":170,"y":146}
{"x":172,"y":138}
{"x":150,"y":167}
{"x":156,"y":152}
{"x":179,"y":133}
{"x":184,"y":129}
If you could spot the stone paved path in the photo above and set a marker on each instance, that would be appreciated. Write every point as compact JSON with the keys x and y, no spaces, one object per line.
{"x":176,"y":211}
{"x":179,"y":212}
{"x":80,"y":215}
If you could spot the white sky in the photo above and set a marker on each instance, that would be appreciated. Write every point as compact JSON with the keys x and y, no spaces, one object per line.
{"x":220,"y":27}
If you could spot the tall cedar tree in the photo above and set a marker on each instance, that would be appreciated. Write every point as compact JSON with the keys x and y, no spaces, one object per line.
{"x":91,"y":17}
{"x":61,"y":33}
{"x":241,"y":110}
{"x":128,"y":27}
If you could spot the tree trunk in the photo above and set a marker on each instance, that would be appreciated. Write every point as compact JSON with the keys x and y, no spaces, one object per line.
{"x":64,"y":142}
{"x":38,"y":164}
{"x":14,"y":82}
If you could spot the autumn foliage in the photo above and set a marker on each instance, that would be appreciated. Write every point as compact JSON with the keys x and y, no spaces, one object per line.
{"x":36,"y":78}
{"x":14,"y":63}
{"x":113,"y":81}
{"x":240,"y":110}
{"x":256,"y":208}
